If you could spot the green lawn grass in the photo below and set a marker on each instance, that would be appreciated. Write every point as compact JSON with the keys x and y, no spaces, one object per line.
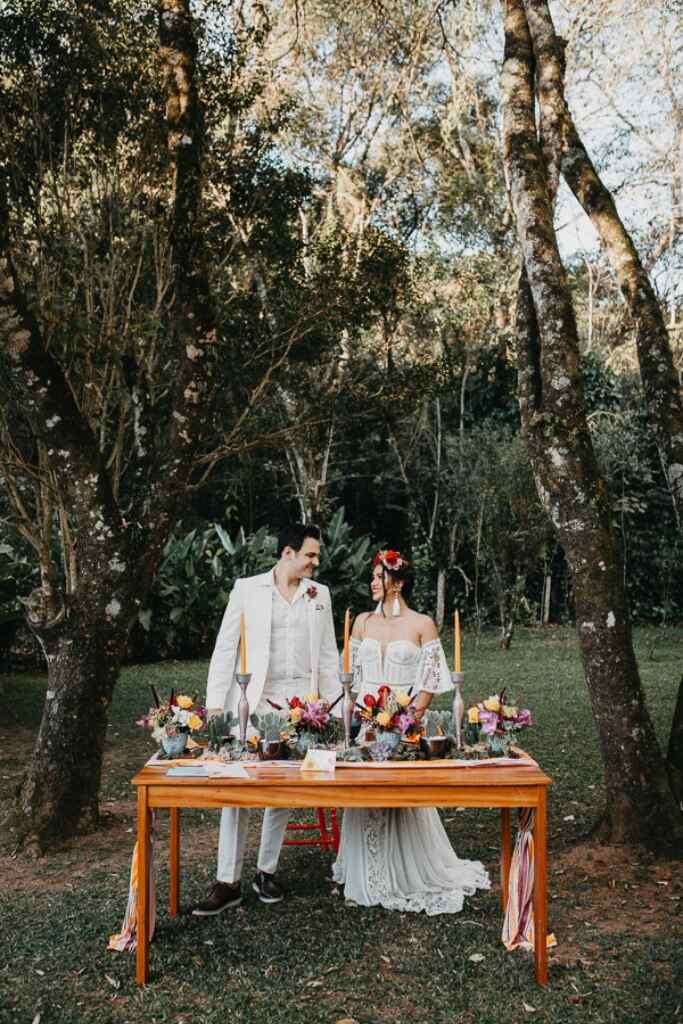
{"x":312,"y":959}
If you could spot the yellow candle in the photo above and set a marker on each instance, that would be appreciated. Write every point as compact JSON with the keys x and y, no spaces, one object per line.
{"x":345,"y":658}
{"x":456,"y":658}
{"x":243,"y":645}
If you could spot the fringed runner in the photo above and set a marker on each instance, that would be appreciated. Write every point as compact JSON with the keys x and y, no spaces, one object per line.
{"x":518,"y":926}
{"x":125,"y":941}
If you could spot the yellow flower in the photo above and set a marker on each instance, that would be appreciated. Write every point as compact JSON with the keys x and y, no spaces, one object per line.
{"x":311,"y":698}
{"x":402,"y":698}
{"x":492,"y":704}
{"x":509,"y":711}
{"x":295,"y":714}
{"x":184,"y":702}
{"x":194,"y":722}
{"x":383,"y":718}
{"x":473,"y":716}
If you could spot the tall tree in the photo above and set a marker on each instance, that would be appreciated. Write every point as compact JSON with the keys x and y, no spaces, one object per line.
{"x":639,"y":804}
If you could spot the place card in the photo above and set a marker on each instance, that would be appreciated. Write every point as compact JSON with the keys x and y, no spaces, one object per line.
{"x":319,"y":761}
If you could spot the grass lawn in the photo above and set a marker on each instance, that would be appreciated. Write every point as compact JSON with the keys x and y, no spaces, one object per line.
{"x":617,"y":914}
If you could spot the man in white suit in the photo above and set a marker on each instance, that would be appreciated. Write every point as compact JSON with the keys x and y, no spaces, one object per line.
{"x":291,"y":651}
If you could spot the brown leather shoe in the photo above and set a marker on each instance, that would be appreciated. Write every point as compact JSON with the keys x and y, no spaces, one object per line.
{"x":221,"y":897}
{"x":267,"y":888}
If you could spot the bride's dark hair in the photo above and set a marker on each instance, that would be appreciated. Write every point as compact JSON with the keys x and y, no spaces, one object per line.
{"x":402,"y":571}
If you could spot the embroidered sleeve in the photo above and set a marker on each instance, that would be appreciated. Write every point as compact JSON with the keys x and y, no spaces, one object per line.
{"x":433,"y":674}
{"x":356,"y":667}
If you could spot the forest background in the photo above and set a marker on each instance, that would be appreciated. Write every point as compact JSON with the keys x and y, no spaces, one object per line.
{"x":258,"y":261}
{"x":369,"y":237}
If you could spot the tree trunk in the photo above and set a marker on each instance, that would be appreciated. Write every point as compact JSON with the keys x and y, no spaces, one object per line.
{"x":440,"y":597}
{"x":58,"y":794}
{"x":674,"y":755}
{"x":657,"y":370}
{"x":639,"y":801}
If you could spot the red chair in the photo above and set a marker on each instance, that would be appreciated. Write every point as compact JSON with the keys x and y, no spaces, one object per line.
{"x":328,"y":835}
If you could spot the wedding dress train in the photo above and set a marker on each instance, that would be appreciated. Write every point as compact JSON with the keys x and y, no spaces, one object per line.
{"x":401,"y":858}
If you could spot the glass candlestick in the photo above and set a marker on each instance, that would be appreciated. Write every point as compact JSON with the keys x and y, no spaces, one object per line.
{"x":346,"y":679}
{"x":243,"y":680}
{"x":458,"y":678}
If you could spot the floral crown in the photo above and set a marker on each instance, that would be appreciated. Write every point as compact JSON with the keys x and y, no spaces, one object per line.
{"x":391,"y":560}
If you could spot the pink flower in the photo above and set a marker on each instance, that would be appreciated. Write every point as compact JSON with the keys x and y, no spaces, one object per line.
{"x":488,"y":721}
{"x":312,"y":592}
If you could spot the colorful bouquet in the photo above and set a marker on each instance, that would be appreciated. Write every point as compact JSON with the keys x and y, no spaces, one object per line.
{"x":495,"y":722}
{"x":309,"y":722}
{"x":389,"y":711}
{"x":179,"y":714}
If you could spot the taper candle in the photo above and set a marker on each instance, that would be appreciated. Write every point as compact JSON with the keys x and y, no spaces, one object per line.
{"x":345,"y":657}
{"x":456,"y":658}
{"x":243,"y":645}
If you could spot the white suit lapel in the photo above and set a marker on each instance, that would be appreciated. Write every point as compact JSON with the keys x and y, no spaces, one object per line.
{"x":258,"y":614}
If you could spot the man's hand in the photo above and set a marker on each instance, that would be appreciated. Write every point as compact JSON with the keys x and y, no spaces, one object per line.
{"x":213,"y":713}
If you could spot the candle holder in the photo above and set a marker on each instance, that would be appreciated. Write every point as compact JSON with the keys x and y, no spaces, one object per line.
{"x":346,"y":679}
{"x":458,"y":678}
{"x":243,"y":680}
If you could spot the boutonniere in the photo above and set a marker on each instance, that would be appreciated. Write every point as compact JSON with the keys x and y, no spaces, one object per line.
{"x":311,"y":594}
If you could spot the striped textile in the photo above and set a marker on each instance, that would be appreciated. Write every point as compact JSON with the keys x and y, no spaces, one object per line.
{"x":518,"y":926}
{"x":125,"y":941}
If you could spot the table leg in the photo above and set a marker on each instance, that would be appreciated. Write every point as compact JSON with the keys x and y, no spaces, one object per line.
{"x":506,"y":855}
{"x":142,"y":930}
{"x":540,"y":889}
{"x":174,"y":862}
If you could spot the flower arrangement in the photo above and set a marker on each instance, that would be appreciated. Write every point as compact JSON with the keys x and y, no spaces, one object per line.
{"x":389,"y":711}
{"x":495,"y":722}
{"x":179,"y":714}
{"x":309,"y":722}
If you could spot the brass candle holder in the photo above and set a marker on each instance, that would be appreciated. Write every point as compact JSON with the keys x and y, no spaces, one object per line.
{"x":346,"y":679}
{"x":458,"y":678}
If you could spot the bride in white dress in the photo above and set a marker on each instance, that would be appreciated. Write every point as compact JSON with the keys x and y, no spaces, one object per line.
{"x":400,"y":858}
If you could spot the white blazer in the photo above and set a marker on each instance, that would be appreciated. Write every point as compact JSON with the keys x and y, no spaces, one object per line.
{"x":253,"y":595}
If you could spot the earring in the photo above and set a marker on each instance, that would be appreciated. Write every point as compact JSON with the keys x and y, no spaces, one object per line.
{"x":396,"y":606}
{"x":378,"y":609}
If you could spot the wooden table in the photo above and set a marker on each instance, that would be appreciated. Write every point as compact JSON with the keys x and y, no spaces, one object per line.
{"x":413,"y":786}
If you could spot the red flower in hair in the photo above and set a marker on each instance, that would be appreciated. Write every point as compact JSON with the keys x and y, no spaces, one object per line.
{"x":369,"y":700}
{"x":390,"y":559}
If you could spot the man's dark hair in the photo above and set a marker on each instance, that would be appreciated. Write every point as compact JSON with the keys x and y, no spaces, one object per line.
{"x":293,"y":536}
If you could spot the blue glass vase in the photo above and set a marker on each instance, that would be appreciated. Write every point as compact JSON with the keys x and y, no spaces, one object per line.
{"x":174,"y":745}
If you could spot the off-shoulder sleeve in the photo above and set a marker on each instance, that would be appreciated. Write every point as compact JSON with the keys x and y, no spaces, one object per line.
{"x":433,"y":674}
{"x":356,"y":667}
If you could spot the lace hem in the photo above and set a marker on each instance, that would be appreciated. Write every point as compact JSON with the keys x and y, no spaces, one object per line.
{"x":440,"y":901}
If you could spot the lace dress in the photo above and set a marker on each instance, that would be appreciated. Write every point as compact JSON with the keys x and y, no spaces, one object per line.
{"x":401,"y":858}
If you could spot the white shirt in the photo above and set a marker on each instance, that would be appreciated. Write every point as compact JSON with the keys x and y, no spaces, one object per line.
{"x":290,"y":642}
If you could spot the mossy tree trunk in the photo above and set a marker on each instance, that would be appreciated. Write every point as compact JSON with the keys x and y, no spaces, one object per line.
{"x":639,"y":802}
{"x":115,"y":543}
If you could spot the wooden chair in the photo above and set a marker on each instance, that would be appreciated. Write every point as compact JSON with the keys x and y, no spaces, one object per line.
{"x":328,"y":834}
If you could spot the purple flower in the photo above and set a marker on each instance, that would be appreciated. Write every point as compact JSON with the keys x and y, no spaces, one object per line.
{"x":488,"y":721}
{"x":524,"y":717}
{"x":404,"y":722}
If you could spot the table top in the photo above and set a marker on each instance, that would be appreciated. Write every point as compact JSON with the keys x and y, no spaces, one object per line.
{"x":274,"y":786}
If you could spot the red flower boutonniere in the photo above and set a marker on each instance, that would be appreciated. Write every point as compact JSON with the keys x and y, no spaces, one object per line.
{"x":312,"y":593}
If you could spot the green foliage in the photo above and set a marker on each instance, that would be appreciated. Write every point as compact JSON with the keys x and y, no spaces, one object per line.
{"x":199,"y":569}
{"x":345,"y":565}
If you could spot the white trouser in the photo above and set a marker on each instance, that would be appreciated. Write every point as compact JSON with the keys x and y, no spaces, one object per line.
{"x":232,"y":837}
